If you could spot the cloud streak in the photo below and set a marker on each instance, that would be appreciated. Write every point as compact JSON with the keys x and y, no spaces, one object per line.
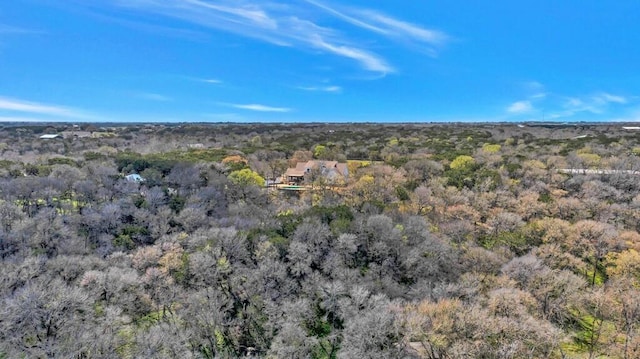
{"x":388,"y":26}
{"x":333,"y":89}
{"x":604,"y":98}
{"x":24,"y":119}
{"x":595,"y":104}
{"x":520,"y":107}
{"x":14,"y":106}
{"x":368,"y":60}
{"x":150,"y":96}
{"x":293,"y":24}
{"x":260,"y":108}
{"x":559,"y":106}
{"x":407,"y":31}
{"x":212,"y":81}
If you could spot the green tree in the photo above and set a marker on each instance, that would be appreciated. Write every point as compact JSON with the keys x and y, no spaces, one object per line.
{"x":491,"y":148}
{"x":246,"y":177}
{"x":461,"y":172}
{"x":462,"y":162}
{"x":320,"y":151}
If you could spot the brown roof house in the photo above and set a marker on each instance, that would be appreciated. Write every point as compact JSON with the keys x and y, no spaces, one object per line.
{"x":308,"y":172}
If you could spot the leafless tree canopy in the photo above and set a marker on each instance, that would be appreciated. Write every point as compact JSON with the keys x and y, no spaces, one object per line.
{"x":439,"y":242}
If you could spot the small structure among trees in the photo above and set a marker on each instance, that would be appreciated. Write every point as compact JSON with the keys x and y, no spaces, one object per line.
{"x":50,"y":136}
{"x":134,"y":177}
{"x":310,"y":170}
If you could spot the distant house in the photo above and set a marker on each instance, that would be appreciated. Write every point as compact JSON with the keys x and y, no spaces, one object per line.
{"x":102,"y":134}
{"x":50,"y":136}
{"x":134,"y":177}
{"x":331,"y":170}
{"x":76,"y":134}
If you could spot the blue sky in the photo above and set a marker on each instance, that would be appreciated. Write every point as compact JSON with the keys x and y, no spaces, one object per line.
{"x":317,"y":60}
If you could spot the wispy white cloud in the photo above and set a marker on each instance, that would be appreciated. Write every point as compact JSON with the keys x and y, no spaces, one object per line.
{"x":13,"y":109}
{"x":212,"y":81}
{"x":601,"y":104}
{"x":293,"y":24}
{"x":609,"y":98}
{"x":26,"y":119}
{"x":239,"y":17}
{"x":533,"y":86}
{"x":350,"y":19}
{"x":386,"y":25}
{"x":248,"y":13}
{"x":333,"y":89}
{"x":596,"y":104}
{"x":22,"y":106}
{"x":551,"y":106}
{"x":403,"y":29}
{"x":206,"y":80}
{"x":536,"y":90}
{"x":520,"y":107}
{"x":260,"y":108}
{"x":150,"y":96}
{"x":368,"y":60}
{"x":574,"y":103}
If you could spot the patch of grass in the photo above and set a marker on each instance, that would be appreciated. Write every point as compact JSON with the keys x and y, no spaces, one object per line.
{"x":590,"y":332}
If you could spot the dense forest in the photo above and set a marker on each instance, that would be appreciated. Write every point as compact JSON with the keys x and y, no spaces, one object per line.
{"x":443,"y":241}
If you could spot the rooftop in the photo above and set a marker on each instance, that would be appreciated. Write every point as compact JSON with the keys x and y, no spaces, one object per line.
{"x":49,"y":136}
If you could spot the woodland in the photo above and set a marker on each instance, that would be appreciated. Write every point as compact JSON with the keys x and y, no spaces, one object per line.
{"x":444,"y":241}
